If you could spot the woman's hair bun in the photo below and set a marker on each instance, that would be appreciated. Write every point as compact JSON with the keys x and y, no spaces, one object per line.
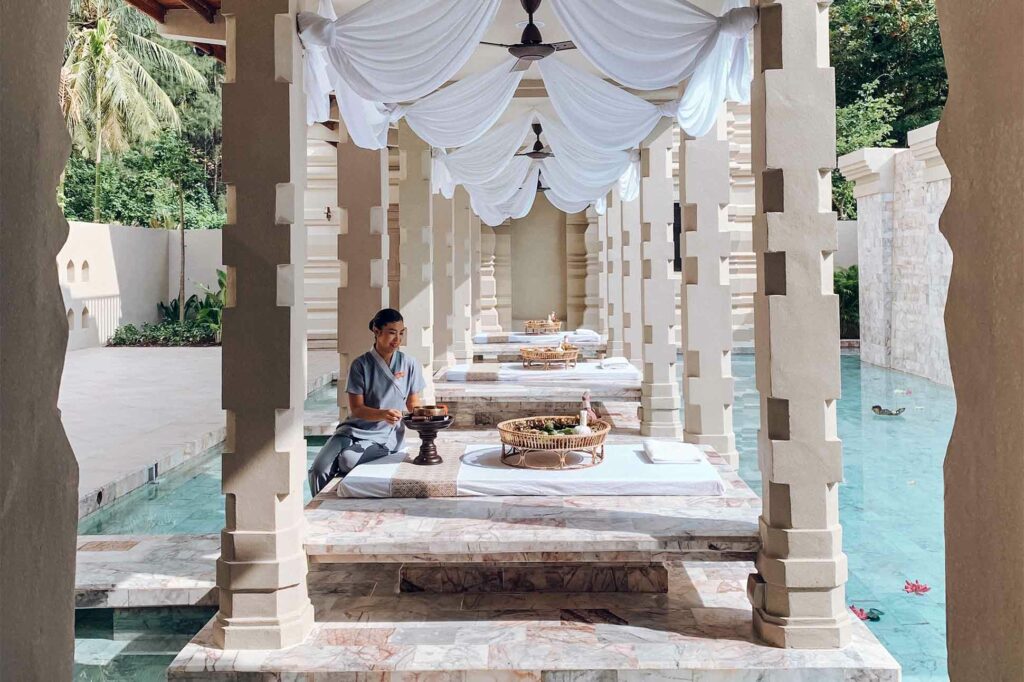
{"x":384,"y":317}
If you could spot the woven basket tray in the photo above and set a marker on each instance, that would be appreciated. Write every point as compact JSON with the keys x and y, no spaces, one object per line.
{"x":540,"y":441}
{"x":547,"y":354}
{"x":542,"y":327}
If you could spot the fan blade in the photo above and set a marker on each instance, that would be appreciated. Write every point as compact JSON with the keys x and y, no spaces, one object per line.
{"x":564,"y":45}
{"x":521,"y":65}
{"x":484,"y":42}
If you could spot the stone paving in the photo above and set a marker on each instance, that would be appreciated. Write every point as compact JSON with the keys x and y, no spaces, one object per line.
{"x":699,"y":631}
{"x":126,"y":410}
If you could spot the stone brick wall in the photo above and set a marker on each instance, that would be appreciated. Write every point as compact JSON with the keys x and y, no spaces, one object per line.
{"x":904,"y":260}
{"x":921,"y":263}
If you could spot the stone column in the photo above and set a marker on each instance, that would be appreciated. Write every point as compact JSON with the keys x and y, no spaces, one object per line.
{"x":659,"y":392}
{"x":462,"y":279}
{"x":37,"y":541}
{"x":322,"y":220}
{"x":395,"y":168}
{"x":706,"y":295}
{"x":575,"y":269}
{"x":632,"y":302}
{"x":595,"y":311}
{"x":261,"y":573}
{"x":503,"y":276}
{"x":488,"y":289}
{"x":798,"y":591}
{"x":611,"y":224}
{"x":363,"y":248}
{"x":475,"y":265}
{"x":742,"y":262}
{"x":444,"y":225}
{"x":873,"y":172}
{"x":982,"y":141}
{"x":416,"y":253}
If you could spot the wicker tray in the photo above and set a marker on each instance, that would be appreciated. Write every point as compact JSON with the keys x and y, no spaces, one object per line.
{"x":543,"y":327}
{"x":541,"y":451}
{"x":547,"y":356}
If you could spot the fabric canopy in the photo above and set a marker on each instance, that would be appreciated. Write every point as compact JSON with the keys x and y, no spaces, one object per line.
{"x":502,"y":184}
{"x":650,"y":45}
{"x":391,"y":51}
{"x":603,"y":115}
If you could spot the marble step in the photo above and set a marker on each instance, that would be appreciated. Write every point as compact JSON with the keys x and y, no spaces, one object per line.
{"x":699,"y":631}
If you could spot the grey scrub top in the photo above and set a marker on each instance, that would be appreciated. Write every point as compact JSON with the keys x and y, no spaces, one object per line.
{"x":384,"y":388}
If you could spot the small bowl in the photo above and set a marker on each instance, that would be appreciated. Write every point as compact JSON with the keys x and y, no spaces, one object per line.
{"x":430,"y":411}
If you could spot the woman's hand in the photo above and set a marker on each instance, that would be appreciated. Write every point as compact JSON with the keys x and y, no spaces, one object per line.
{"x":392,"y":416}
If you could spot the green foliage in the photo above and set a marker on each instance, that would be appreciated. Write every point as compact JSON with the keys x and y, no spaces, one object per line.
{"x":897,"y":44}
{"x":211,"y":306}
{"x":865,"y":122}
{"x":846,"y":287}
{"x":890,"y":77}
{"x":155,"y":95}
{"x":169,"y":312}
{"x":205,"y":311}
{"x":189,"y":333}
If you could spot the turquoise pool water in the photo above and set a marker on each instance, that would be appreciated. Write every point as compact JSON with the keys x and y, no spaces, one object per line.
{"x":890,"y":503}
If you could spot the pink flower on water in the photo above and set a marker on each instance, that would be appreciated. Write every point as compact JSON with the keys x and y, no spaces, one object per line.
{"x":916,"y":587}
{"x":859,"y":612}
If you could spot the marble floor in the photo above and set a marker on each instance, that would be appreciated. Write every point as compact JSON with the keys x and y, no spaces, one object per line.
{"x":699,"y":631}
{"x":127,"y":410}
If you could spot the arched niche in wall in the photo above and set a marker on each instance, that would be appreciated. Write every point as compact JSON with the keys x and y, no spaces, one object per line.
{"x":70,"y":276}
{"x":85,"y":271}
{"x":86,"y":319}
{"x":71,"y":319}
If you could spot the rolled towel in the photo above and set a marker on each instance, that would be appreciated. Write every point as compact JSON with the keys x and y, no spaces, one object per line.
{"x":616,"y":362}
{"x":587,"y":333}
{"x":667,"y":452}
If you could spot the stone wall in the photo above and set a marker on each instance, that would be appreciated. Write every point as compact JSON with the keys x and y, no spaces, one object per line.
{"x":112,"y":275}
{"x":904,"y":261}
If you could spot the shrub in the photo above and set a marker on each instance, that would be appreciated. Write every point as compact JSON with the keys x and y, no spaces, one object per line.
{"x":846,"y":286}
{"x":190,"y":333}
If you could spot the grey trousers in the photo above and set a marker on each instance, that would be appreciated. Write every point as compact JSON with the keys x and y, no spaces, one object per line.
{"x":340,"y":455}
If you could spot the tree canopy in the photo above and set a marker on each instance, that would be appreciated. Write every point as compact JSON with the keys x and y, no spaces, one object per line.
{"x":890,"y":77}
{"x":166,"y":94}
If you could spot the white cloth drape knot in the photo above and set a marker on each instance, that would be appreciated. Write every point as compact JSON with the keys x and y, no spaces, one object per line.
{"x":669,"y":109}
{"x":315,"y":30}
{"x":738,"y":22}
{"x":634,"y":154}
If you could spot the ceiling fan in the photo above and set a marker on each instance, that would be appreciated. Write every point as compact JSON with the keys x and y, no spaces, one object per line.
{"x":531,"y":46}
{"x":539,"y":151}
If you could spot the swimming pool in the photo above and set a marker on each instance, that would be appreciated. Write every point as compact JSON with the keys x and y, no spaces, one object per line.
{"x":890,"y":503}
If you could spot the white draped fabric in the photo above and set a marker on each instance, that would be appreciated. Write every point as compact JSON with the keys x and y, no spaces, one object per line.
{"x":463,"y":111}
{"x":317,"y":81}
{"x":659,"y":43}
{"x":601,"y":114}
{"x":499,"y":181}
{"x":391,"y":51}
{"x":385,"y":52}
{"x":482,"y":160}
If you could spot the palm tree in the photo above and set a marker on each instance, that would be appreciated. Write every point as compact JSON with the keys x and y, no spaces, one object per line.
{"x":108,"y":92}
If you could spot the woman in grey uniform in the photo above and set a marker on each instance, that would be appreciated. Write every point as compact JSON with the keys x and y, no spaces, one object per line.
{"x":382,"y":384}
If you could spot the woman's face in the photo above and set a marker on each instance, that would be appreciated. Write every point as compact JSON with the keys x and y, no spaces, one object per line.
{"x":391,"y":336}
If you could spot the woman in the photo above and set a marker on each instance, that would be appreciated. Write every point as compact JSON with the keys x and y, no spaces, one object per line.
{"x":381,"y":385}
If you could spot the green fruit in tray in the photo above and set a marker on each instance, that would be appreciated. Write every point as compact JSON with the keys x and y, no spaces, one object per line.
{"x":549,"y":426}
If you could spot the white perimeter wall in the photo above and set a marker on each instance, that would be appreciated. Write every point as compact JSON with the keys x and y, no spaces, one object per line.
{"x":112,"y":275}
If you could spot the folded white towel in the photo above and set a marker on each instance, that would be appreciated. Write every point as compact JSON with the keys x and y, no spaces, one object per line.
{"x":666,"y":452}
{"x":616,"y":362}
{"x":587,"y":332}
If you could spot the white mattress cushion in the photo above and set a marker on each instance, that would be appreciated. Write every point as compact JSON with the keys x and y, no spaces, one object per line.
{"x":624,"y":471}
{"x":668,"y":452}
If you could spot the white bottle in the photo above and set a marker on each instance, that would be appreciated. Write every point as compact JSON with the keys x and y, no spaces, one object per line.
{"x":583,"y":429}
